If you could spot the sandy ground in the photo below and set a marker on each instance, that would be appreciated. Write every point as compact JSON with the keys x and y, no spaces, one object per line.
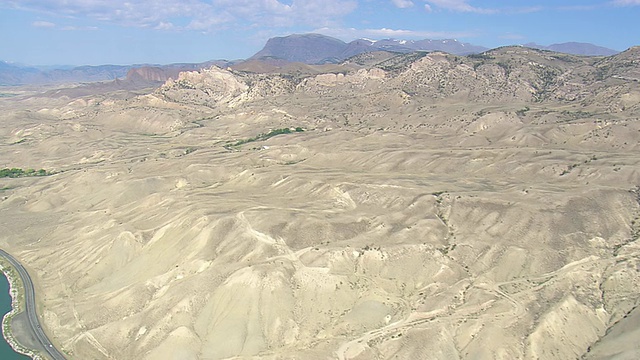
{"x":392,"y":227}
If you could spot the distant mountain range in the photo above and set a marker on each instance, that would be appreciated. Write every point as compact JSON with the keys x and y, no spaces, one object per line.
{"x":575,"y":48}
{"x":320,"y":49}
{"x":302,"y":48}
{"x":11,"y":74}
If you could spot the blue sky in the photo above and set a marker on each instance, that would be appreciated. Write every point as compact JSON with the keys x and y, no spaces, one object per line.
{"x":92,"y":32}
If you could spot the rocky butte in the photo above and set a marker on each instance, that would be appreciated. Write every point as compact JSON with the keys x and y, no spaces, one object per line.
{"x":409,"y":206}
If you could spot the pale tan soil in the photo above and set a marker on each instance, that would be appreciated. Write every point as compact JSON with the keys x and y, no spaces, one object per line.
{"x":405,"y":222}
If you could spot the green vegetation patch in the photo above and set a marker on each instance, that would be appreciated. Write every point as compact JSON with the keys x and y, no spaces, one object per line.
{"x":522,"y":111}
{"x":17,"y":172}
{"x":268,"y":135}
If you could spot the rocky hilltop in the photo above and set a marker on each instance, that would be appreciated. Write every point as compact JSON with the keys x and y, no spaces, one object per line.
{"x":504,"y":75}
{"x":409,"y":206}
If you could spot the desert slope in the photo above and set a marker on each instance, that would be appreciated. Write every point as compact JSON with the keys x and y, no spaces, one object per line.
{"x":433,"y":207}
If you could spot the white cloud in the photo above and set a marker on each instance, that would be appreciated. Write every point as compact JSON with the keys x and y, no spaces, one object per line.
{"x":79,"y":28}
{"x":460,"y":6}
{"x":322,"y":12}
{"x":578,"y":7}
{"x":165,"y":25}
{"x":428,"y":8}
{"x":204,"y":24}
{"x":132,"y":12}
{"x":43,"y":24}
{"x":402,"y":3}
{"x":465,"y":6}
{"x":50,"y":25}
{"x":626,"y":2}
{"x":196,"y":14}
{"x":349,"y":34}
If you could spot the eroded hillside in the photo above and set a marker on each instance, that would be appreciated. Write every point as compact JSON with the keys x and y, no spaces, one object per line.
{"x":423,"y":206}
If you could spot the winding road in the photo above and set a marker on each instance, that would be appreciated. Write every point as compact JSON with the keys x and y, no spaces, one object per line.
{"x":30,"y":308}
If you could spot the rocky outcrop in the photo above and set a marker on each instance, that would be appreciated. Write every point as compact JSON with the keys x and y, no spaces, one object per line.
{"x":512,"y":74}
{"x":209,"y":87}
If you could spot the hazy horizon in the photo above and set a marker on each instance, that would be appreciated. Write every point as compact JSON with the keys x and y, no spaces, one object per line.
{"x":71,"y":66}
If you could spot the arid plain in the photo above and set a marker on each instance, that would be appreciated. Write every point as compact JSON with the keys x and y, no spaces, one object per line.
{"x":433,"y":207}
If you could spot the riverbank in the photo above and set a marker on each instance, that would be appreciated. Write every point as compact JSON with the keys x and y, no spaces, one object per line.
{"x":16,"y":290}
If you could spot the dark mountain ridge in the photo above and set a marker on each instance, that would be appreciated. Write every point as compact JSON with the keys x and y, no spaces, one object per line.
{"x":303,"y":48}
{"x":319,"y":49}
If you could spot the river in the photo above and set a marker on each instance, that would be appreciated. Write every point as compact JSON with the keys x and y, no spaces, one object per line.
{"x":6,"y":352}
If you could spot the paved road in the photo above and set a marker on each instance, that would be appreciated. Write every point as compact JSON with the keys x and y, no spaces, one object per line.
{"x":30,"y":308}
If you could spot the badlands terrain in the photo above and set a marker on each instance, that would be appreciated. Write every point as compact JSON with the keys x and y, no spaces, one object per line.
{"x":413,"y":206}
